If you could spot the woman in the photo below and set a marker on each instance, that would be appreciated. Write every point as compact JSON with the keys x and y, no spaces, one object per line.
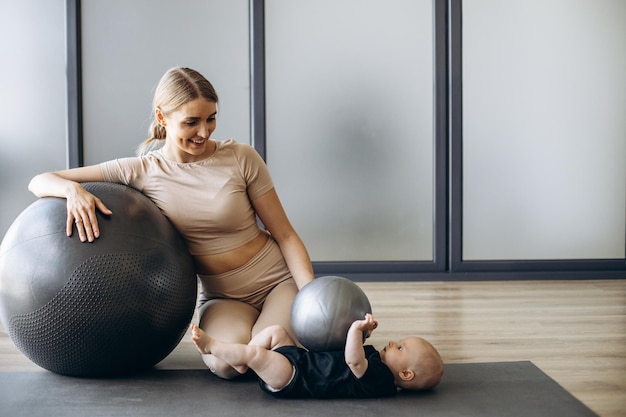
{"x":212,"y":192}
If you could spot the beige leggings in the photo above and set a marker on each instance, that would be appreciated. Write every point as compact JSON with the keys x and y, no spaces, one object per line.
{"x":235,"y":306}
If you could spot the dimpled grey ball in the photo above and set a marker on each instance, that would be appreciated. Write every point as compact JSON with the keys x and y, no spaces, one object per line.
{"x":117,"y":305}
{"x":324,"y":310}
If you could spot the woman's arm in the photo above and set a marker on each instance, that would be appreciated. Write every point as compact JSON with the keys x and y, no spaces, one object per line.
{"x":272,"y":214}
{"x":81,"y":205}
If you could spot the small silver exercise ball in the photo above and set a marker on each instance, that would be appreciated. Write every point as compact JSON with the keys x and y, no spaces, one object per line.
{"x":324,"y":310}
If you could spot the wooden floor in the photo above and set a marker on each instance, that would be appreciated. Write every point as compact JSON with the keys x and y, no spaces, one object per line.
{"x":575,"y":331}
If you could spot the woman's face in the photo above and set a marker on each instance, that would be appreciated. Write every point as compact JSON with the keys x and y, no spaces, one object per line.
{"x":189,"y":129}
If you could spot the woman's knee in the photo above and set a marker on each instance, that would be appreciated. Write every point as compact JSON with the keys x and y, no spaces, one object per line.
{"x":228,"y":320}
{"x":277,"y":308}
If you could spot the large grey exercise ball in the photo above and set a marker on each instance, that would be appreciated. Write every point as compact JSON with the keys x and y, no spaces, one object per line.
{"x":114,"y":306}
{"x":324,"y":310}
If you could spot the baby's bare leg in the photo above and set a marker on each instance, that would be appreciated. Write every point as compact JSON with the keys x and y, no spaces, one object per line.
{"x":206,"y":346}
{"x":272,"y":367}
{"x":272,"y":337}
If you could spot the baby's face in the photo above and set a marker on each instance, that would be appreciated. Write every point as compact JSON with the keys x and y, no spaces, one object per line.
{"x":415,"y":363}
{"x":401,"y":355}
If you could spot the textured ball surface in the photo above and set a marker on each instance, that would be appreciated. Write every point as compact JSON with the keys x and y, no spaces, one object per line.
{"x":324,"y":310}
{"x":117,"y":305}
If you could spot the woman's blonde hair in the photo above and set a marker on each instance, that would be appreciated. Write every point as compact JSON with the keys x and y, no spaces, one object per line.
{"x":177,"y":86}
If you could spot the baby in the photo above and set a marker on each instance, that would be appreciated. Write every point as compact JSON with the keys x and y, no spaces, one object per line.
{"x":288,"y":371}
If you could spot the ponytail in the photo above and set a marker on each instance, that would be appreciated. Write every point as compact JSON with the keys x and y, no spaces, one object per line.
{"x":155,"y":141}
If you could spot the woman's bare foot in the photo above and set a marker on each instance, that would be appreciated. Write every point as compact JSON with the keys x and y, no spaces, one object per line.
{"x":201,"y":340}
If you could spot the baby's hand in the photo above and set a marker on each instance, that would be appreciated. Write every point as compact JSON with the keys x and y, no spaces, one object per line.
{"x":366,"y":325}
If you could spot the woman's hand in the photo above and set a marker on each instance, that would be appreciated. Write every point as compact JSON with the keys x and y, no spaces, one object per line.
{"x":81,"y":211}
{"x":81,"y":204}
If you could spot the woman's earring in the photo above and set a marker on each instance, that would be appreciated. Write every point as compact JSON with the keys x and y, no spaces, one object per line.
{"x":159,"y":117}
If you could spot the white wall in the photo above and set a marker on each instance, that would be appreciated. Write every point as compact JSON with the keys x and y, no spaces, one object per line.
{"x":32,"y":98}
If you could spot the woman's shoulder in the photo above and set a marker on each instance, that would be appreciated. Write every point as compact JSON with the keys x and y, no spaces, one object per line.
{"x":146,"y":162}
{"x":234,"y":145}
{"x":240,"y":150}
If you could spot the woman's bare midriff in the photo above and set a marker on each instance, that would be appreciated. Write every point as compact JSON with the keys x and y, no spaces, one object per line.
{"x":227,"y":261}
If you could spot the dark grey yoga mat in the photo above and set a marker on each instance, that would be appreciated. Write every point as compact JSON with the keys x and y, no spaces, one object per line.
{"x":480,"y":389}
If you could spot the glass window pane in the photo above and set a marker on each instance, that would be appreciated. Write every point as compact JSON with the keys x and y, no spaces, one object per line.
{"x":130,"y":44}
{"x":544,"y":135}
{"x":349,"y":101}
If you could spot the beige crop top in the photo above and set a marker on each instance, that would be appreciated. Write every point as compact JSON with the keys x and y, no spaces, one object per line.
{"x":209,"y":202}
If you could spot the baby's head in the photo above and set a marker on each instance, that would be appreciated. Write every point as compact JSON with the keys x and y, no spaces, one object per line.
{"x":414,"y":362}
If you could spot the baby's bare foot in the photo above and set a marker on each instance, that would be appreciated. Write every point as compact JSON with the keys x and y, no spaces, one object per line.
{"x":201,"y":339}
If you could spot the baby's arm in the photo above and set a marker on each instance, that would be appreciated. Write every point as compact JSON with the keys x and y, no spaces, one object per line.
{"x":354,"y":352}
